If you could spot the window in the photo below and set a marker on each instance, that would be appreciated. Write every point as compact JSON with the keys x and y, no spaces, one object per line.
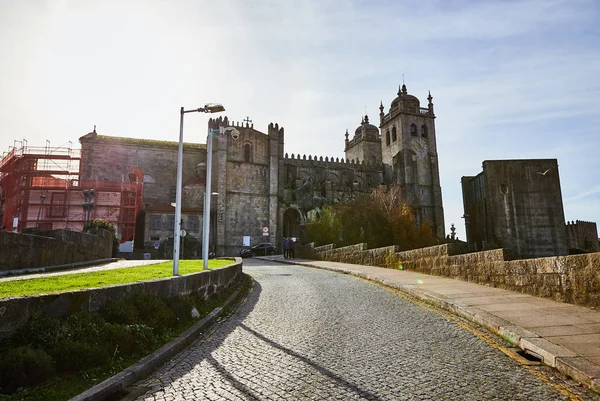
{"x":57,"y":204}
{"x":173,"y":194}
{"x":193,"y":223}
{"x":413,"y":130}
{"x":394,"y":136}
{"x":248,"y":153}
{"x":155,"y":221}
{"x":149,"y":179}
{"x":424,"y":131}
{"x":387,"y":138}
{"x":169,"y":223}
{"x":128,"y":199}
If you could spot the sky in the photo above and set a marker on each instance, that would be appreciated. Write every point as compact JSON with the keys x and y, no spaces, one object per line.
{"x":509,"y":79}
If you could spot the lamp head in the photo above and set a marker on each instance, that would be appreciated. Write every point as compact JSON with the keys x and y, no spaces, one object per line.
{"x":212,"y":108}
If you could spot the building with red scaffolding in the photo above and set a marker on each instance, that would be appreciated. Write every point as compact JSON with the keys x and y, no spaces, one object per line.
{"x":40,"y":187}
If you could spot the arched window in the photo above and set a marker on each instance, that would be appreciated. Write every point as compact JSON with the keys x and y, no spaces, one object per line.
{"x":149,"y":179}
{"x":387,"y":138}
{"x":424,"y":131}
{"x":413,"y":130}
{"x":394,"y":136}
{"x":248,"y":153}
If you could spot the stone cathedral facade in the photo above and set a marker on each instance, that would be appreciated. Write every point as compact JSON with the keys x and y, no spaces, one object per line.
{"x":258,"y":187}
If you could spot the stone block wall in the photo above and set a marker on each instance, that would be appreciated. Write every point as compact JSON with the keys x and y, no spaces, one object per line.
{"x":354,"y":254}
{"x":15,"y":312}
{"x":25,"y":251}
{"x":573,"y":279}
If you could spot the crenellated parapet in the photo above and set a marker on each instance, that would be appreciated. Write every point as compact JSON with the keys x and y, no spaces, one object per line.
{"x":582,"y":235}
{"x":223,"y":121}
{"x":308,"y":161}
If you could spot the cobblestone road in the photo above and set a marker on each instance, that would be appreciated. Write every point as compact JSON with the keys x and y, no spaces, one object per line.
{"x":307,"y":334}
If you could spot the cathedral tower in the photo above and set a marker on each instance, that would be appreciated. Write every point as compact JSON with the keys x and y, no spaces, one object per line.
{"x":409,"y":156}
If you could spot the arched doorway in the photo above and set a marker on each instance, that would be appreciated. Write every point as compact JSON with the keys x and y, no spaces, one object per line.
{"x":292,"y":223}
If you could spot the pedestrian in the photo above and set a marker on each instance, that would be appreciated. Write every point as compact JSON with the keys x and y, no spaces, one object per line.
{"x":292,"y":248}
{"x":285,"y":245}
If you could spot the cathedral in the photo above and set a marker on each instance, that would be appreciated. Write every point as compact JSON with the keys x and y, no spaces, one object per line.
{"x":260,"y":192}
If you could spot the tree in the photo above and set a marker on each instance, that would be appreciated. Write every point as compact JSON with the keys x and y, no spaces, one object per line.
{"x":380,"y":219}
{"x":96,"y":224}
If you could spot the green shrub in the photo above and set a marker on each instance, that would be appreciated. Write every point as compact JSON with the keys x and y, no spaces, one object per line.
{"x":182,"y":307}
{"x":108,"y":226}
{"x":85,"y":327}
{"x":24,"y":366}
{"x":154,"y":312}
{"x":130,"y":340}
{"x":41,"y":331}
{"x":74,"y":355}
{"x":121,"y":311}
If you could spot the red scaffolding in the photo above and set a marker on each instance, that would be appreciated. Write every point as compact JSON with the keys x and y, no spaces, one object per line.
{"x":40,"y":188}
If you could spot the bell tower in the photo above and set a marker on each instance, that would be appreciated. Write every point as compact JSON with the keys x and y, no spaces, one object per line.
{"x":409,"y":155}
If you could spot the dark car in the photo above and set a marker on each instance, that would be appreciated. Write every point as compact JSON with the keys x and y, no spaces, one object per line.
{"x":246,"y":253}
{"x":264,"y":249}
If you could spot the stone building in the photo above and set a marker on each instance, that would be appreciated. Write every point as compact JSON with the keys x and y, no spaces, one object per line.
{"x":583,"y":235}
{"x":257,"y":185}
{"x":516,"y":205}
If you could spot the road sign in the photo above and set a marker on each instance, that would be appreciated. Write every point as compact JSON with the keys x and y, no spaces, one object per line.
{"x":265,"y":231}
{"x":156,"y":245}
{"x":183,"y":233}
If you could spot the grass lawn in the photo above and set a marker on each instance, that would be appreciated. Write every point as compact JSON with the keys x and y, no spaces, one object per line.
{"x":79,"y":281}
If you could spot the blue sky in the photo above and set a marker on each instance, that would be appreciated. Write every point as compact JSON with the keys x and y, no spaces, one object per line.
{"x":510,"y":79}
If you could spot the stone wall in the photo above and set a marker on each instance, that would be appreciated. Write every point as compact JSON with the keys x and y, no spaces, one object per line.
{"x":15,"y":312}
{"x":583,"y":235}
{"x":25,"y":251}
{"x":354,"y":254}
{"x":452,"y":248}
{"x":516,"y":204}
{"x":573,"y":279}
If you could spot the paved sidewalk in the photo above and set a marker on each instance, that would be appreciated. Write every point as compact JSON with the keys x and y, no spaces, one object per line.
{"x":564,"y":336}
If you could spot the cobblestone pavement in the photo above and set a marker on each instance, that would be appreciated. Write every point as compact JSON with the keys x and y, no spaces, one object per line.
{"x":307,"y":334}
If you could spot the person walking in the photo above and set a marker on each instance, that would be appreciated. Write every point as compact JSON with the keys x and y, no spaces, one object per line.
{"x":285,"y":245}
{"x":292,"y":251}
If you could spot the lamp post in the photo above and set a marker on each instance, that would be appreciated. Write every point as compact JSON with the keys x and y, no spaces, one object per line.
{"x":214,"y":223}
{"x":42,"y":199}
{"x":207,"y":195}
{"x":208,"y":108}
{"x":88,"y":204}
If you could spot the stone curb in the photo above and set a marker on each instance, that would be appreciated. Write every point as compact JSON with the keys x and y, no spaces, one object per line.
{"x":150,"y":363}
{"x":560,"y":358}
{"x":67,"y":266}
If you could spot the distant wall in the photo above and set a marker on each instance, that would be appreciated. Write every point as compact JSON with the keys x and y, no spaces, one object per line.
{"x":583,"y":235}
{"x":24,"y":251}
{"x":15,"y":312}
{"x":573,"y":279}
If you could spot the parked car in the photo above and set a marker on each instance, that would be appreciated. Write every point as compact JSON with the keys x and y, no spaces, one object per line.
{"x":246,"y":253}
{"x":264,"y":249}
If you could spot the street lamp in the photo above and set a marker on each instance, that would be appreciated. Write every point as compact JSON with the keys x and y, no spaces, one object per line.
{"x":42,"y":199}
{"x":214,"y":223}
{"x":88,"y":204}
{"x":208,"y":108}
{"x":207,"y":195}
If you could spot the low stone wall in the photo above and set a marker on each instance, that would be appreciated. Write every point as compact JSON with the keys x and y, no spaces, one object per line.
{"x":15,"y":312}
{"x":451,"y":248}
{"x":573,"y":279}
{"x":25,"y":251}
{"x":354,"y":254}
